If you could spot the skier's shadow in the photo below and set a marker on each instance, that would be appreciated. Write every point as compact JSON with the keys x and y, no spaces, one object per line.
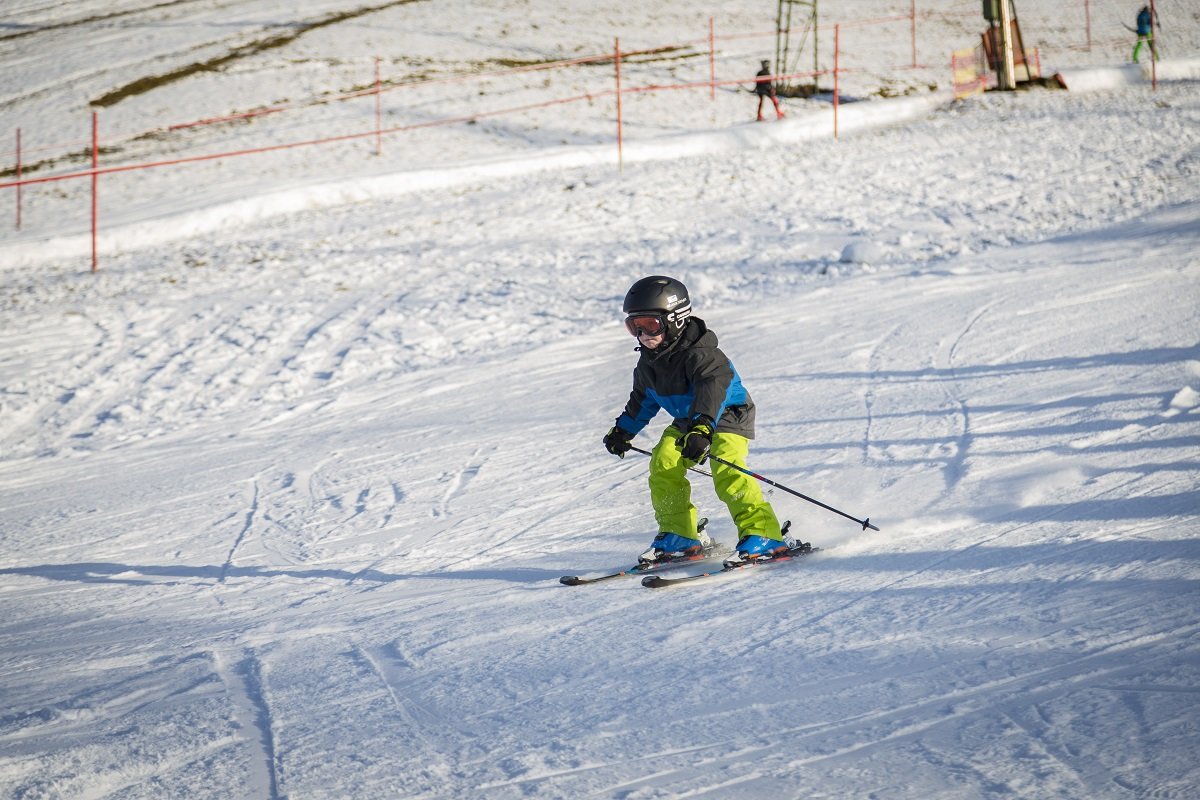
{"x":970,"y":559}
{"x":107,"y":572}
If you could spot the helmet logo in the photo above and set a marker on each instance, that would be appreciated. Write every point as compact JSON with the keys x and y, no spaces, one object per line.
{"x":672,"y":300}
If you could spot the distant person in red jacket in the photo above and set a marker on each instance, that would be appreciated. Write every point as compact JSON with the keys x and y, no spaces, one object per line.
{"x":764,"y":87}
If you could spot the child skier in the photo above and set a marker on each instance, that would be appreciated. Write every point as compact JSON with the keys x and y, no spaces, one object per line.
{"x":681,"y":371}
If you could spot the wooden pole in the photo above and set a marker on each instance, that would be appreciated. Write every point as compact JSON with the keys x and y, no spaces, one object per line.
{"x":1087,"y":18}
{"x":816,"y":31}
{"x":620,"y":143}
{"x":837,"y":47}
{"x":378,"y":112}
{"x":1008,"y":80}
{"x":913,"y":26}
{"x":18,"y":179}
{"x":712,"y":61}
{"x":95,"y":184}
{"x":1153,"y":48}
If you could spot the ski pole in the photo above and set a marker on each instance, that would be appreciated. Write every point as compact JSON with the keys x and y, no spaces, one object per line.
{"x":648,"y":453}
{"x":866,"y":523}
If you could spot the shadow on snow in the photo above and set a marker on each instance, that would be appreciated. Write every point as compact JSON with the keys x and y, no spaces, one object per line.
{"x":1083,"y":554}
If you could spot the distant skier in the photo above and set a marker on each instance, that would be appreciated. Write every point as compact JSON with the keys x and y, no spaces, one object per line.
{"x":764,"y":87}
{"x":682,"y":371}
{"x":1146,"y":21}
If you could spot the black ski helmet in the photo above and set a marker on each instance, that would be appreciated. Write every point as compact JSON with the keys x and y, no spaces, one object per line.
{"x":662,"y":297}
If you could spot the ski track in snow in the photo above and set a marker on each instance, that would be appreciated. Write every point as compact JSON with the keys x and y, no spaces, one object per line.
{"x":242,"y":675}
{"x":247,"y":527}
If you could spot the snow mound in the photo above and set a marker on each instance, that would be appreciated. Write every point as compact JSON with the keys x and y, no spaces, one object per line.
{"x":862,"y":253}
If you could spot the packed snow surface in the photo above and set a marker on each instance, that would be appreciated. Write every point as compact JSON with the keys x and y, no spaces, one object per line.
{"x":286,"y":487}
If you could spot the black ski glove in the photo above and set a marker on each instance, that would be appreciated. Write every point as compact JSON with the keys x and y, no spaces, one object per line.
{"x":695,"y":443}
{"x":616,"y":441}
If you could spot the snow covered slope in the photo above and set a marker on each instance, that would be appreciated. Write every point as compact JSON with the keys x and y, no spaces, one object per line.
{"x":284,"y":503}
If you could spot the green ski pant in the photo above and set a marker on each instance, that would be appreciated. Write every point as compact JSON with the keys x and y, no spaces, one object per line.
{"x":1145,"y":38}
{"x":671,"y":492}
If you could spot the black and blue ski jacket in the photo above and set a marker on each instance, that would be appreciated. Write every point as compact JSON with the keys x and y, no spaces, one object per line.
{"x":689,"y":379}
{"x":1144,"y":22}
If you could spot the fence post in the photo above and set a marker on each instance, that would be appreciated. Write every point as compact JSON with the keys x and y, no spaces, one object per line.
{"x":18,"y":179}
{"x":620,"y":143}
{"x":837,"y":47}
{"x":712,"y":62}
{"x":1087,"y":16}
{"x":378,"y":112}
{"x":95,"y":183}
{"x":1153,"y":48}
{"x":913,"y":25}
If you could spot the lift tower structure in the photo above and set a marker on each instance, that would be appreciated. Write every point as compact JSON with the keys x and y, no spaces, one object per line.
{"x":795,"y":34}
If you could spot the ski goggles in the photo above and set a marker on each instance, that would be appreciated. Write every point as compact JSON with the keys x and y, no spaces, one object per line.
{"x":645,"y":325}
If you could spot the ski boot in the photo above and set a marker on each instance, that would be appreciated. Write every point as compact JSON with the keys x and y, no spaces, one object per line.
{"x":756,"y":548}
{"x":672,"y":546}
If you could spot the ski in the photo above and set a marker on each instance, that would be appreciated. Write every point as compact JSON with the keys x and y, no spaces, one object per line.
{"x":642,"y":568}
{"x":799,"y":551}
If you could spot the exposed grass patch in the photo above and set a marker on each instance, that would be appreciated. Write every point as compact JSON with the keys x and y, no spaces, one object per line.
{"x":78,"y":156}
{"x":152,"y":82}
{"x":20,"y":29}
{"x":656,"y":55}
